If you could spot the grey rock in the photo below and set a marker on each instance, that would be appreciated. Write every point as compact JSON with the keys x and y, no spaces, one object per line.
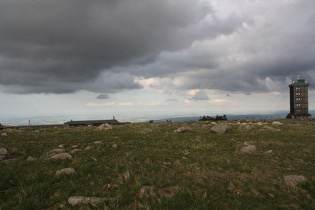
{"x":3,"y":151}
{"x":247,"y":127}
{"x":55,"y":151}
{"x":146,"y":131}
{"x":30,"y":158}
{"x":115,"y":146}
{"x":104,"y":127}
{"x":73,"y":200}
{"x":87,"y":148}
{"x":268,"y":152}
{"x":251,"y":149}
{"x":4,"y":134}
{"x":62,"y":156}
{"x":293,"y":180}
{"x":183,"y":130}
{"x":220,"y":129}
{"x":75,"y":151}
{"x":268,"y":128}
{"x":62,"y":146}
{"x":66,"y":171}
{"x":4,"y":155}
{"x":98,"y":142}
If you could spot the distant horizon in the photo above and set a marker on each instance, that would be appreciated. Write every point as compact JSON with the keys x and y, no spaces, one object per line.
{"x":62,"y":118}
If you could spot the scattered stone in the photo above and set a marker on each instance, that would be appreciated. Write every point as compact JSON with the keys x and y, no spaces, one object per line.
{"x":4,"y":134}
{"x":293,"y":180}
{"x":247,"y":127}
{"x":4,"y":155}
{"x":220,"y":129}
{"x":115,"y":146}
{"x":55,"y":151}
{"x":146,"y":131}
{"x":183,"y":130}
{"x":277,"y":123}
{"x":213,"y":123}
{"x":268,"y":128}
{"x":30,"y":158}
{"x":98,"y":142}
{"x":73,"y":200}
{"x":251,"y":149}
{"x":87,"y":148}
{"x":66,"y":171}
{"x":93,"y":158}
{"x":62,"y":146}
{"x":75,"y":151}
{"x":246,"y":143}
{"x":105,"y":127}
{"x":268,"y":152}
{"x":62,"y":156}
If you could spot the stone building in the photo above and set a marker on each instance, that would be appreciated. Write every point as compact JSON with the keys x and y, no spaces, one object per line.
{"x":299,"y":100}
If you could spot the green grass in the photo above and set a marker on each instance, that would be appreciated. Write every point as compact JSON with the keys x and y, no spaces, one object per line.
{"x":199,"y":170}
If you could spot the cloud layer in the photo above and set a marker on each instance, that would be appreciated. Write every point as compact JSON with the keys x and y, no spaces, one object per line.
{"x":106,"y":46}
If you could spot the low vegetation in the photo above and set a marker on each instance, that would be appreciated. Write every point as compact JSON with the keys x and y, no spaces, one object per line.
{"x":130,"y":169}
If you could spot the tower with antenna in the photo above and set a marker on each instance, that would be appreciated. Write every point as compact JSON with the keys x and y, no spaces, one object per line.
{"x":299,"y":100}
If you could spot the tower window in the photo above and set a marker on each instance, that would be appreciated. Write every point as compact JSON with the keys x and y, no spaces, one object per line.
{"x":298,"y":94}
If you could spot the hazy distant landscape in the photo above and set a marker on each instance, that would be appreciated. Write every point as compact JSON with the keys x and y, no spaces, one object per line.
{"x":60,"y":119}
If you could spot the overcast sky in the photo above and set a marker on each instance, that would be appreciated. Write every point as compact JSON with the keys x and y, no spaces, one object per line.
{"x":147,"y":56}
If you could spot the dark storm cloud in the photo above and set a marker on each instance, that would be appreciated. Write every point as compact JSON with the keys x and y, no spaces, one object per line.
{"x":61,"y":46}
{"x":273,"y":43}
{"x":104,"y":46}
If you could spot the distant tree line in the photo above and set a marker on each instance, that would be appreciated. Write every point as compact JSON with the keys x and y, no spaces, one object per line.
{"x":207,"y":118}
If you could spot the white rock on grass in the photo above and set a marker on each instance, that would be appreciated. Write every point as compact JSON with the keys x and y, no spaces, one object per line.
{"x":293,"y":180}
{"x":30,"y":158}
{"x":4,"y":134}
{"x":73,"y":200}
{"x":66,"y":171}
{"x":183,"y":130}
{"x":62,"y":156}
{"x":104,"y":127}
{"x":277,"y":123}
{"x":55,"y":151}
{"x":251,"y":149}
{"x":75,"y":151}
{"x":268,"y":128}
{"x":62,"y":146}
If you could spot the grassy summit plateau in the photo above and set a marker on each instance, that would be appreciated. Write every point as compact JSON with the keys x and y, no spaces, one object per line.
{"x":149,"y":166}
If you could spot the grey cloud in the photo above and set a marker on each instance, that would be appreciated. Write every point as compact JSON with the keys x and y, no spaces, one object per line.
{"x":200,"y":95}
{"x":102,"y":96}
{"x":46,"y":45}
{"x":172,"y":100}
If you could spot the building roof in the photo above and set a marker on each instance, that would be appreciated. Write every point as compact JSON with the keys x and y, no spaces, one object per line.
{"x":299,"y":83}
{"x":92,"y":122}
